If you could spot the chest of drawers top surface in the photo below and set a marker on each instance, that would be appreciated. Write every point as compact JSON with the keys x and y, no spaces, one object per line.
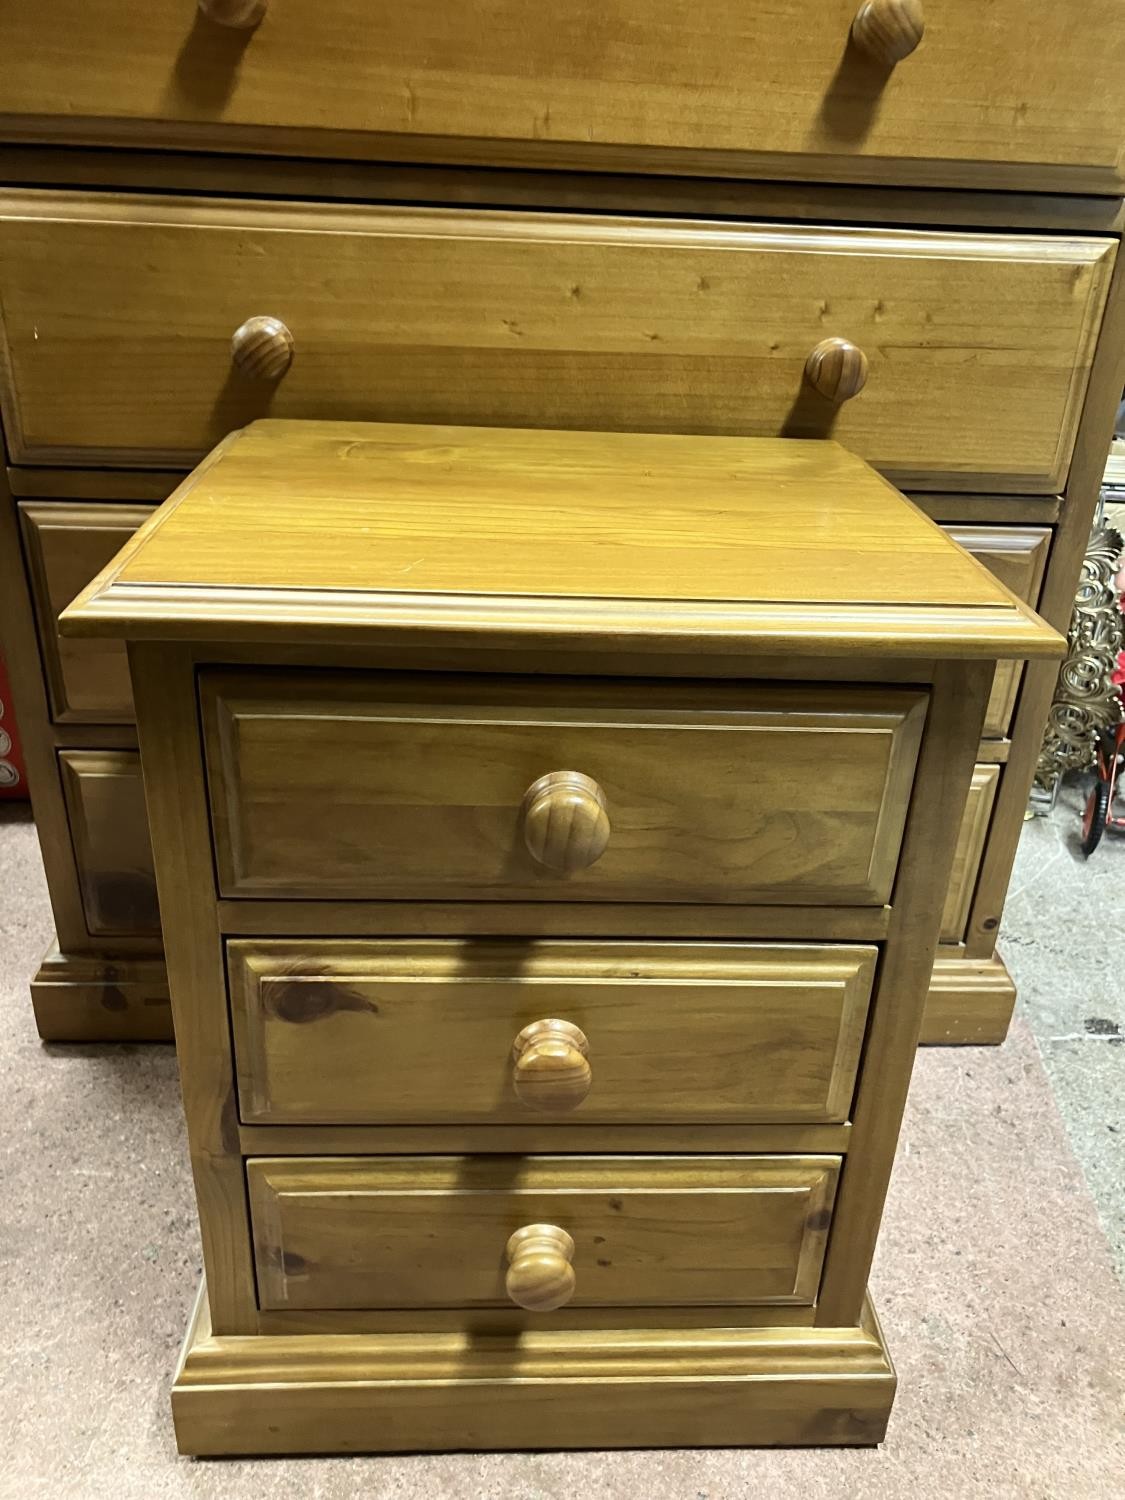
{"x":1012,"y":93}
{"x":338,"y":531}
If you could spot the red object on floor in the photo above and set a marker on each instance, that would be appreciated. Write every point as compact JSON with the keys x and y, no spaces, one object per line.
{"x":13,"y":777}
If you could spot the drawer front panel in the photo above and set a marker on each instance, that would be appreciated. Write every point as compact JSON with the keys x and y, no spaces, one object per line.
{"x":363,"y":1232}
{"x":119,"y":321}
{"x":353,"y":1033}
{"x":1018,"y":557}
{"x":68,"y":545}
{"x":106,"y":807}
{"x":414,"y":788}
{"x":640,"y":84}
{"x":969,"y":852}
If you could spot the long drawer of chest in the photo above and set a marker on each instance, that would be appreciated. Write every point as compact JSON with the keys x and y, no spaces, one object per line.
{"x":143,"y":331}
{"x":1014,"y":93}
{"x":591,"y":1231}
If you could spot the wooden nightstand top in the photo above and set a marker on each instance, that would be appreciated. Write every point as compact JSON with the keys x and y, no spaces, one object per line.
{"x":339,"y":531}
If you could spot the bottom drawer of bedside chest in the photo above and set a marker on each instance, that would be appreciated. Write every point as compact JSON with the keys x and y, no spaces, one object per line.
{"x":428,"y":1232}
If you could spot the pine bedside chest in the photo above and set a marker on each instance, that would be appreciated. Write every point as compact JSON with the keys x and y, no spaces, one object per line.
{"x":551,"y":833}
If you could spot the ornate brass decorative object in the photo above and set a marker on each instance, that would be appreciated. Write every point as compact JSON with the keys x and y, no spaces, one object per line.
{"x":1086,"y":699}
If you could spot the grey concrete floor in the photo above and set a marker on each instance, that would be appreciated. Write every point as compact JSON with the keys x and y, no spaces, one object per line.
{"x":994,"y":1278}
{"x":1064,"y":942}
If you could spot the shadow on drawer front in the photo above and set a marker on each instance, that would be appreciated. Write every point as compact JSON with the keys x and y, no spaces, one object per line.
{"x":105,"y":803}
{"x":436,"y":1231}
{"x":437,"y":1032}
{"x":367,"y":787}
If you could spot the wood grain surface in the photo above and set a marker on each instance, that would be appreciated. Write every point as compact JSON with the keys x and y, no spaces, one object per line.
{"x":1017,"y":555}
{"x":373,"y":786}
{"x":1013,"y":93}
{"x":431,"y":1231}
{"x":945,"y":766}
{"x":67,"y":546}
{"x":967,"y":855}
{"x":168,"y":727}
{"x":106,"y":805}
{"x":978,"y":346}
{"x":326,"y":1391}
{"x":389,"y":535}
{"x":336,"y":1032}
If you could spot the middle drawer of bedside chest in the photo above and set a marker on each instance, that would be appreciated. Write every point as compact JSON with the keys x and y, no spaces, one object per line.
{"x":372,"y":1032}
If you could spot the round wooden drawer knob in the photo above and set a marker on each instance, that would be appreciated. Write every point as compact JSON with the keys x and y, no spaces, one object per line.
{"x":238,"y":14}
{"x":262,"y":348}
{"x":837,"y":368}
{"x":565,"y":824}
{"x":888,"y":30}
{"x":550,"y":1066}
{"x":540,"y":1275}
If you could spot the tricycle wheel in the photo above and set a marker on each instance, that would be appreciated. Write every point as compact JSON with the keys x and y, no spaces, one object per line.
{"x":1093,"y":819}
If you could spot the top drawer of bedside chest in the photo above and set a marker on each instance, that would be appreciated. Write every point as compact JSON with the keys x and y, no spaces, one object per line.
{"x":118,"y":319}
{"x":1010,"y":93}
{"x":371,"y":787}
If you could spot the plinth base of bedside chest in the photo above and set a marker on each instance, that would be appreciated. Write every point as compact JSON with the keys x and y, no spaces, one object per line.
{"x":971,"y":1001}
{"x":96,"y":997}
{"x":637,"y":1388}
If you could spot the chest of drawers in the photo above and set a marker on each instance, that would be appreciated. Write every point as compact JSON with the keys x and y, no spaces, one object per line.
{"x":551,"y":859}
{"x":894,"y":223}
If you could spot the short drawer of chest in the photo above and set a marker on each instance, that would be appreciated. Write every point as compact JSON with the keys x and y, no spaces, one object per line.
{"x":397,"y":787}
{"x":1017,"y":555}
{"x":511,"y":1032}
{"x":67,"y":544}
{"x":538,"y":1231}
{"x":105,"y":804}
